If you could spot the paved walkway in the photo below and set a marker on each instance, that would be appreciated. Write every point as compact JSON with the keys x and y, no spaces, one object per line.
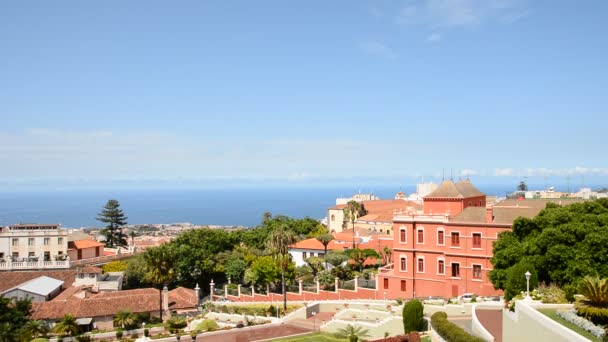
{"x":492,"y":321}
{"x":246,"y":334}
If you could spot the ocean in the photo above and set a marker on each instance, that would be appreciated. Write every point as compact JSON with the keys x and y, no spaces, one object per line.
{"x":227,"y":207}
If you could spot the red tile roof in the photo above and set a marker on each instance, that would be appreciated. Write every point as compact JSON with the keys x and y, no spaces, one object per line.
{"x":11,"y":279}
{"x":82,"y":244}
{"x":314,"y":244}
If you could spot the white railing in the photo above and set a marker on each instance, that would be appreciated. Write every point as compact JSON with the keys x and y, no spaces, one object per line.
{"x":8,"y":265}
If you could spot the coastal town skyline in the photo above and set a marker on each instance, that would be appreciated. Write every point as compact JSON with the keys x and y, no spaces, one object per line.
{"x":96,"y":94}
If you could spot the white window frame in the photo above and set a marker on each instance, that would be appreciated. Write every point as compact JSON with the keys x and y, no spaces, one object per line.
{"x":459,"y":270}
{"x":31,"y":241}
{"x":438,"y":260}
{"x":47,"y":241}
{"x":423,"y":264}
{"x":402,"y":257}
{"x":440,"y":229}
{"x":403,"y":229}
{"x":473,"y":272}
{"x":480,"y":243}
{"x":423,"y":236}
{"x":15,"y":242}
{"x":459,"y":239}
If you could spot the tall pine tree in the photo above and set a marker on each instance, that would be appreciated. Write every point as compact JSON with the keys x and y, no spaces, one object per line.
{"x":115,"y":218}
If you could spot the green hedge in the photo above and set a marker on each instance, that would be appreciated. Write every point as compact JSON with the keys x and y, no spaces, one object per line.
{"x":450,"y":331}
{"x":413,"y":312}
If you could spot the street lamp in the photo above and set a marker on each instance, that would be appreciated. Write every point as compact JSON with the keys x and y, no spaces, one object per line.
{"x":528,"y":274}
{"x":314,"y":321}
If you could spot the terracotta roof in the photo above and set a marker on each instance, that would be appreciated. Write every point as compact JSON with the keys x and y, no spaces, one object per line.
{"x":136,"y":301}
{"x":11,"y":279}
{"x":108,"y":303}
{"x":378,"y":217}
{"x":449,"y":189}
{"x":315,"y":244}
{"x":338,"y":207}
{"x":81,"y":244}
{"x":88,"y":269}
{"x":471,"y":214}
{"x":79,"y":235}
{"x":182,"y":298}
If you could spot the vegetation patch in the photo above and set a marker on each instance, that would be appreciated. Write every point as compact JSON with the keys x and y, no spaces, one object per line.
{"x":450,"y":331}
{"x":552,"y":313}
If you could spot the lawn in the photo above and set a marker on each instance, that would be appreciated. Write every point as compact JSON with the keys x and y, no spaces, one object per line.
{"x":553,"y":315}
{"x":314,"y":337}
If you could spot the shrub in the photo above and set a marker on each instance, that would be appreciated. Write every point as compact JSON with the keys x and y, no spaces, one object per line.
{"x":449,"y":331}
{"x":572,"y":317}
{"x":516,"y":280}
{"x":83,"y":338}
{"x":413,"y":312}
{"x":399,"y":301}
{"x":551,"y":294}
{"x":119,"y":334}
{"x":40,"y":339}
{"x":595,"y":291}
{"x":146,"y":332}
{"x":240,"y":325}
{"x":597,"y":315}
{"x":207,"y":325}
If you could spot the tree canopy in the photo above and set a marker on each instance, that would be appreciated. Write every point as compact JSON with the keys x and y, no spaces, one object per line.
{"x":115,"y":218}
{"x":564,"y":244}
{"x":13,"y":315}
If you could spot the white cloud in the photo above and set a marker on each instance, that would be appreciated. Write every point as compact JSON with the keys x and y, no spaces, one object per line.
{"x":504,"y":172}
{"x":434,"y":37}
{"x":377,"y":49}
{"x":452,"y":13}
{"x":469,"y":172}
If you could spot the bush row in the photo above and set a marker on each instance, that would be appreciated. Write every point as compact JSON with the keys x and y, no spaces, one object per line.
{"x":253,"y":309}
{"x":572,"y":317}
{"x":450,"y":331}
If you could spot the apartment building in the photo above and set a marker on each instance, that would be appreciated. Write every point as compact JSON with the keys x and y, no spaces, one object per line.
{"x":445,"y":249}
{"x":33,"y":246}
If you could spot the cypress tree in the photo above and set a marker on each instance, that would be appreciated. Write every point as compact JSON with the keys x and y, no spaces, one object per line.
{"x":413,"y":312}
{"x":115,"y":218}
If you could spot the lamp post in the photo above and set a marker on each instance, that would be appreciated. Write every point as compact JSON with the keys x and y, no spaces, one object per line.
{"x":314,"y":321}
{"x":528,"y":274}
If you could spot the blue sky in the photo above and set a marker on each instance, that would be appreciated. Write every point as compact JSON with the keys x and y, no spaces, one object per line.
{"x":117,"y":92}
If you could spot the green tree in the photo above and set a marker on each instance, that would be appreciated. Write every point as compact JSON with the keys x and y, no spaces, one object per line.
{"x":325,"y":239}
{"x":115,"y":218}
{"x":564,"y":243}
{"x":352,"y":212}
{"x":386,"y":255}
{"x":315,"y":264}
{"x":413,"y":313}
{"x":160,"y":268}
{"x":124,"y":318}
{"x":264,"y":270}
{"x":132,"y":234}
{"x":67,"y":326}
{"x":13,"y":315}
{"x":336,"y":258}
{"x":235,"y":268}
{"x":34,"y":328}
{"x":516,"y":279}
{"x":360,"y":256}
{"x":320,"y":229}
{"x":352,"y":333}
{"x":278,"y":242}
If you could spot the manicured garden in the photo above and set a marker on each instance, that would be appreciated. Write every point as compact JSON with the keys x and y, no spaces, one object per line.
{"x":313,"y":337}
{"x":552,"y":313}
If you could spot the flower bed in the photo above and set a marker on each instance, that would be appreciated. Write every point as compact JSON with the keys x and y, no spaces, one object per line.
{"x":572,"y":317}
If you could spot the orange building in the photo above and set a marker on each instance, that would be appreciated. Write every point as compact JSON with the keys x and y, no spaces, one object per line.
{"x":445,"y":249}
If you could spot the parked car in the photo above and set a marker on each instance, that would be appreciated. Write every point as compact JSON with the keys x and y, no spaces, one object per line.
{"x":467,"y":297}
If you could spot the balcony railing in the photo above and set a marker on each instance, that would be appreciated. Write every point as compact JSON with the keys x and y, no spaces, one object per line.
{"x":386,"y":269}
{"x":8,"y":265}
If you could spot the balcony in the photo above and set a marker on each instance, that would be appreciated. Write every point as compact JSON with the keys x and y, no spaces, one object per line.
{"x":386,"y":269}
{"x":32,"y":264}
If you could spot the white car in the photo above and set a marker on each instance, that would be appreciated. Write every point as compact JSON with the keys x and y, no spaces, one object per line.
{"x":467,"y":297}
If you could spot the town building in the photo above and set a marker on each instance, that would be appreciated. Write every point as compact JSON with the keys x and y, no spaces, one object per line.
{"x":445,"y":248}
{"x":378,"y":217}
{"x":39,"y":289}
{"x":33,"y":246}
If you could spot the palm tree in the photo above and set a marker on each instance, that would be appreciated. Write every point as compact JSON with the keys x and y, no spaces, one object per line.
{"x":387,"y":254}
{"x":278,"y":241}
{"x":34,"y":329}
{"x":132,"y":234}
{"x":124,"y":318}
{"x":352,"y":212}
{"x":325,"y":239}
{"x":160,"y":268}
{"x":595,"y":290}
{"x":67,"y":326}
{"x":352,"y":333}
